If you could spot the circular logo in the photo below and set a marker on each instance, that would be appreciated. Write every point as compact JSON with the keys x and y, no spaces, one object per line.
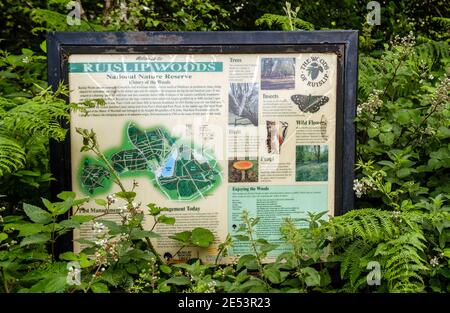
{"x":314,"y":71}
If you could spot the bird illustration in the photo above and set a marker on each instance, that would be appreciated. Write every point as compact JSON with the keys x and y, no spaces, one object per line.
{"x":314,"y":69}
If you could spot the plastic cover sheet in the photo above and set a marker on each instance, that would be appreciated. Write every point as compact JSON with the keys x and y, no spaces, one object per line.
{"x":208,"y":136}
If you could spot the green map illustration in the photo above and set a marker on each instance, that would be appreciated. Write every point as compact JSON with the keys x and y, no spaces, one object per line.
{"x":178,"y":169}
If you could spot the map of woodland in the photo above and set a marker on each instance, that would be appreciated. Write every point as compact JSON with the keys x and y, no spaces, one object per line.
{"x":179,"y":170}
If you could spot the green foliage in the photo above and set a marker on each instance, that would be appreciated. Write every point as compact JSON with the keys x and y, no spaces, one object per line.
{"x":403,"y":133}
{"x":289,"y":21}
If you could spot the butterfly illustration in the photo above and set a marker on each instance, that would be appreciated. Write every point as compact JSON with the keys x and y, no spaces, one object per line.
{"x":309,"y":103}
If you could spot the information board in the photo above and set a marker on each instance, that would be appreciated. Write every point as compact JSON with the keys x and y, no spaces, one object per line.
{"x":209,"y":125}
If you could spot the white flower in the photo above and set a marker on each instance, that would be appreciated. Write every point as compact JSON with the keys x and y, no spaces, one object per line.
{"x":358,"y":187}
{"x":101,"y":242}
{"x":73,"y":275}
{"x":98,"y":227}
{"x":111,"y":199}
{"x":434,"y":261}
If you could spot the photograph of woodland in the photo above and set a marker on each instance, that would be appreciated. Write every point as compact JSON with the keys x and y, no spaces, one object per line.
{"x":277,"y":73}
{"x":311,"y":163}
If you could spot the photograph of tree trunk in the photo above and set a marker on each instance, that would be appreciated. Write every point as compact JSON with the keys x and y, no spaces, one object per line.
{"x":243,"y":104}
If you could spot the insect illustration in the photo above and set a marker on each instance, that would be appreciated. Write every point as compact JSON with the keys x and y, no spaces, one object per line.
{"x":323,"y":127}
{"x":314,"y":69}
{"x":309,"y":103}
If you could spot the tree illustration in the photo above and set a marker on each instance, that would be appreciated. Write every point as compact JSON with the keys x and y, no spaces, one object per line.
{"x":243,"y":101}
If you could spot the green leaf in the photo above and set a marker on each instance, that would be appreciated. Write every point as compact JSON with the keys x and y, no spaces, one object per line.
{"x":36,"y":214}
{"x":273,"y":274}
{"x":29,"y":229}
{"x":202,"y":237}
{"x":35,"y":239}
{"x":56,"y":284}
{"x":113,"y":227}
{"x":386,"y":127}
{"x":403,"y":172}
{"x":43,"y":46}
{"x":166,"y":220}
{"x":66,"y":195}
{"x":165,"y":269}
{"x":179,"y":281}
{"x":68,"y":256}
{"x":127,"y":195}
{"x":387,"y":138}
{"x":139,"y":234}
{"x":248,"y":261}
{"x":443,"y":132}
{"x":3,"y":236}
{"x":63,"y":207}
{"x":81,"y":218}
{"x":312,"y":276}
{"x":99,"y":288}
{"x":183,"y":237}
{"x":268,"y":247}
{"x":68,"y":224}
{"x":101,"y":202}
{"x":50,"y":206}
{"x":372,"y":132}
{"x":242,"y":238}
{"x":403,"y":117}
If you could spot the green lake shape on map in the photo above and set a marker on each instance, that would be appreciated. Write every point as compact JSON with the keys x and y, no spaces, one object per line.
{"x":179,"y":170}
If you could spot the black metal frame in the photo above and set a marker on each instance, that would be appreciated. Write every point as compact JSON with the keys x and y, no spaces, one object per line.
{"x":344,"y":43}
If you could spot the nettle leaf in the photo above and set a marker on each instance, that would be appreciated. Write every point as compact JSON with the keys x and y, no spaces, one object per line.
{"x":139,"y":234}
{"x":56,"y":284}
{"x":183,"y":237}
{"x":35,"y":239}
{"x":99,"y":288}
{"x":202,"y":237}
{"x":3,"y":237}
{"x":81,"y":218}
{"x":404,"y":172}
{"x":127,"y":195}
{"x":248,"y":261}
{"x":30,"y":229}
{"x":50,"y":206}
{"x":312,"y":276}
{"x":242,"y":237}
{"x":274,"y":275}
{"x":179,"y":281}
{"x":155,"y":210}
{"x":63,"y":207}
{"x":36,"y":214}
{"x":165,"y":269}
{"x":66,"y":195}
{"x":166,"y":220}
{"x":101,"y":202}
{"x":68,"y":224}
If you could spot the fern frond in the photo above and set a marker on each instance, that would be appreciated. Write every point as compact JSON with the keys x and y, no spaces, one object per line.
{"x":401,"y":258}
{"x":372,"y":225}
{"x":12,"y":155}
{"x":351,"y":259}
